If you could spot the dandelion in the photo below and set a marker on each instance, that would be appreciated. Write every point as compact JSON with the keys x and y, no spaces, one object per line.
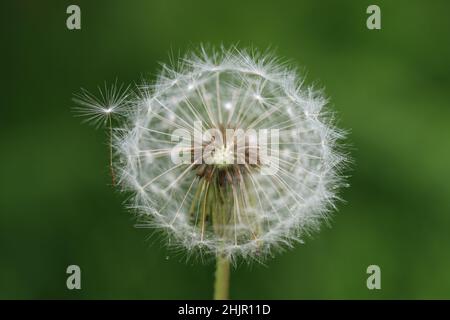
{"x":101,"y":110}
{"x":229,"y":153}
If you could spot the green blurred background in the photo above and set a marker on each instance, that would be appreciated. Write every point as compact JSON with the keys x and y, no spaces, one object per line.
{"x":390,"y":88}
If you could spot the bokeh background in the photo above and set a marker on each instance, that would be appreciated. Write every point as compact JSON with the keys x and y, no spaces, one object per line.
{"x":390,"y":88}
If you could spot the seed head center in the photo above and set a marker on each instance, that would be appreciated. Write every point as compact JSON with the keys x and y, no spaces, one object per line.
{"x":223,"y":157}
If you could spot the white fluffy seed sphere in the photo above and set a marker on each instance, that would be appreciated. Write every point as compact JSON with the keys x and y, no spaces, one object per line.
{"x":224,"y":208}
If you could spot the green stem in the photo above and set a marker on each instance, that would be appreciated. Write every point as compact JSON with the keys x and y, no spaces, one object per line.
{"x":222,"y":282}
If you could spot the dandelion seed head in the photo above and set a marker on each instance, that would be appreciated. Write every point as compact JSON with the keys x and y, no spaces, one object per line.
{"x":230,"y":206}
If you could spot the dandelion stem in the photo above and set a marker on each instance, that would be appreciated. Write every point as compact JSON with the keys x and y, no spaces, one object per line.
{"x":222,"y":285}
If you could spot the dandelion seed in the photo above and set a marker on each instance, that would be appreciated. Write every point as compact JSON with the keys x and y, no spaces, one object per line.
{"x":101,"y":110}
